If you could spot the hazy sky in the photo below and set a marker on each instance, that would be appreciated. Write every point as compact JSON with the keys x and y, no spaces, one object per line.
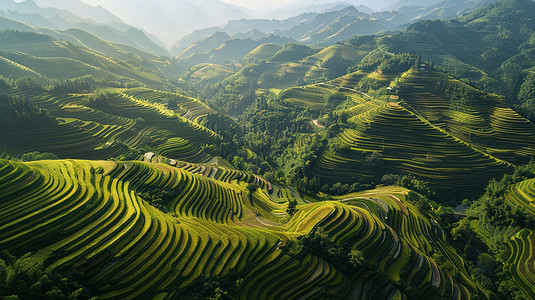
{"x":271,"y":5}
{"x":260,"y":4}
{"x":250,"y":4}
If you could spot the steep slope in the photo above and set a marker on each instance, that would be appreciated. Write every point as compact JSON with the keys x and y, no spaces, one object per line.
{"x":99,"y":222}
{"x":63,"y":60}
{"x":490,"y":47}
{"x":408,"y":144}
{"x":122,"y":120}
{"x":483,"y":120}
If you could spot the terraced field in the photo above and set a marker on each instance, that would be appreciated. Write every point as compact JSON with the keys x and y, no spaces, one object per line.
{"x":481,"y":119}
{"x":182,"y":149}
{"x":123,"y":104}
{"x":278,"y":194}
{"x":520,"y":252}
{"x":126,"y":119}
{"x":383,"y":248}
{"x":98,"y":224}
{"x":186,"y":107}
{"x":408,"y":144}
{"x":350,"y":80}
{"x":207,"y":73}
{"x":389,"y":205}
{"x":96,"y":221}
{"x":321,"y":96}
{"x":16,"y":69}
{"x":344,"y":52}
{"x":522,"y":194}
{"x":521,"y":259}
{"x":60,"y":59}
{"x":66,"y":138}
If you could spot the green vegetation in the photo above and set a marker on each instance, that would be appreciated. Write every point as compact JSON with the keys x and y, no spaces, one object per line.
{"x":395,"y":166}
{"x":97,"y":214}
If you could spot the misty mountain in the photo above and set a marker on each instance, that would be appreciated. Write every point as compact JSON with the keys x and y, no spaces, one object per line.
{"x":106,"y":26}
{"x":237,"y":28}
{"x":373,"y":5}
{"x":298,"y":9}
{"x":337,"y":25}
{"x":170,"y":20}
{"x":82,"y":9}
{"x":207,"y":44}
{"x":253,"y":34}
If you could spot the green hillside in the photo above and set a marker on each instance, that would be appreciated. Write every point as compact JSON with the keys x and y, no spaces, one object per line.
{"x":483,"y":120}
{"x":107,"y":124}
{"x":99,"y":220}
{"x":406,"y":143}
{"x":346,"y":166}
{"x":264,"y":51}
{"x":62,"y":60}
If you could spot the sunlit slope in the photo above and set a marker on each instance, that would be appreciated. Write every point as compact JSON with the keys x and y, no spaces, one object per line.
{"x":343,"y":52}
{"x":207,"y":73}
{"x":409,"y":145}
{"x":389,"y":204}
{"x":279,"y":195}
{"x":520,"y":258}
{"x":16,"y":69}
{"x":384,"y":249}
{"x":263,"y":52}
{"x":59,"y":59}
{"x":92,"y":216}
{"x":520,"y":252}
{"x":522,"y":194}
{"x":85,"y":39}
{"x":481,"y":119}
{"x":98,"y":224}
{"x":187,"y":107}
{"x":320,"y":96}
{"x":54,"y":67}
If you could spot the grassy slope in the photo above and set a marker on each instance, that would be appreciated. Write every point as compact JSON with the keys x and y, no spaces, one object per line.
{"x":63,"y":60}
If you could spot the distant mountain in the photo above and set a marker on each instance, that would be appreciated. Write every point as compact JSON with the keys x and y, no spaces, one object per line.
{"x":342,"y":23}
{"x":371,"y":5}
{"x":231,"y":49}
{"x":408,"y":3}
{"x":493,"y":48}
{"x":475,"y":4}
{"x":106,"y":25}
{"x":170,"y":20}
{"x":238,"y":28}
{"x":205,"y":45}
{"x":7,"y":23}
{"x":298,"y":9}
{"x":253,"y":34}
{"x":82,"y":9}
